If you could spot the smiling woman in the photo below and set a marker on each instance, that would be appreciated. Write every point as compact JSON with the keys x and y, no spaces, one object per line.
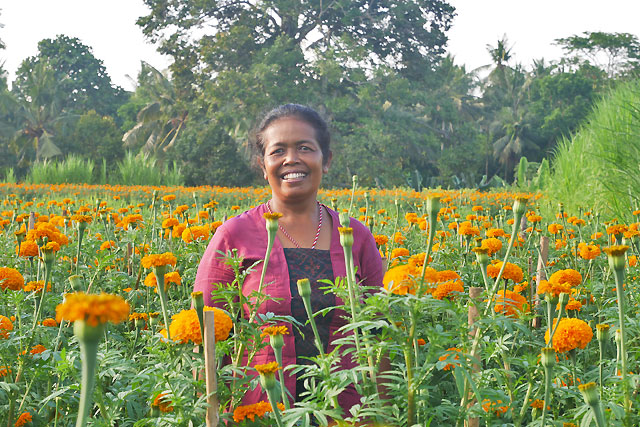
{"x":292,"y":143}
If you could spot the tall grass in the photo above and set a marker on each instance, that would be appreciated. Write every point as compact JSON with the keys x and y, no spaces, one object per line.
{"x":9,"y":176}
{"x":599,"y":168}
{"x":144,"y":169}
{"x":72,"y":170}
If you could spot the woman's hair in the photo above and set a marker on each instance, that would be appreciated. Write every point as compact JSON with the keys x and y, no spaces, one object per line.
{"x":298,"y":111}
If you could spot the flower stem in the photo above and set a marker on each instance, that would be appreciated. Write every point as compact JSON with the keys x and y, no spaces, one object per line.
{"x":619,"y":275}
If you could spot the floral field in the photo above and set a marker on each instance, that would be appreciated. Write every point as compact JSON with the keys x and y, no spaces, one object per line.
{"x":496,"y":309}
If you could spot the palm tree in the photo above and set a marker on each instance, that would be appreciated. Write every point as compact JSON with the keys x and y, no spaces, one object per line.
{"x":160,"y":121}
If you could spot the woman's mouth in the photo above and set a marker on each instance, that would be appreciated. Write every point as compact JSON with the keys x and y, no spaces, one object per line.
{"x":293,"y":176}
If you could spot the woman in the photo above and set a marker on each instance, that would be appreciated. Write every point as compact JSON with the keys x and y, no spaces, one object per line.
{"x":293,"y":146}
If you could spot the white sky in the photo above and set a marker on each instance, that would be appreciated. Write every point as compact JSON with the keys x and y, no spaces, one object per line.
{"x":108,"y":27}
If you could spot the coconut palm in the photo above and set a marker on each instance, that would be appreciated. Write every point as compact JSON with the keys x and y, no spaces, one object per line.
{"x":161,"y":120}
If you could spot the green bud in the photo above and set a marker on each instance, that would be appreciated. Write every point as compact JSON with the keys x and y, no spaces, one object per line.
{"x":590,"y":393}
{"x":88,"y":333}
{"x":76,"y":283}
{"x":345,"y":221}
{"x":304,"y":288}
{"x":548,"y":357}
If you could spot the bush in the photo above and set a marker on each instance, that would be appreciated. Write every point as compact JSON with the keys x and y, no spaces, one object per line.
{"x":144,"y":169}
{"x":598,"y":167}
{"x":72,"y":170}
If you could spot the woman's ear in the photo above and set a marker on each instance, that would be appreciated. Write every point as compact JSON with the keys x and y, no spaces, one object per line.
{"x":325,"y":166}
{"x":264,"y":170}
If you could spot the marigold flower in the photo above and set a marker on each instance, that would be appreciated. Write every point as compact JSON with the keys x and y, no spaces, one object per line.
{"x":511,"y":271}
{"x":571,"y":333}
{"x":495,"y":232}
{"x":274,"y":330}
{"x":446,"y":275}
{"x":555,"y":228}
{"x":170,"y":277}
{"x":510,"y":303}
{"x":553,"y":289}
{"x":93,"y":309}
{"x":37,"y":349}
{"x":492,"y":244}
{"x":588,"y":251}
{"x":267,"y":368}
{"x":467,"y":229}
{"x":50,"y":247}
{"x":453,"y":351}
{"x":572,"y":305}
{"x":494,"y":407}
{"x":445,"y":289}
{"x":109,"y":244}
{"x":50,"y":322}
{"x":158,"y":260}
{"x":381,"y":239}
{"x":195,"y":232}
{"x":163,"y":403}
{"x":399,"y":238}
{"x":399,"y":252}
{"x":10,"y":278}
{"x":538,"y":404}
{"x":185,"y":326}
{"x":4,"y":371}
{"x":254,"y":410}
{"x":170,"y":222}
{"x":617,"y":229}
{"x":400,"y":279}
{"x":28,"y":248}
{"x":5,"y":326}
{"x":36,"y":286}
{"x":570,"y":276}
{"x":23,"y":419}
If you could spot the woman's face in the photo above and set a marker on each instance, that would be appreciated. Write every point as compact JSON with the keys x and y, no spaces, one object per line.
{"x":292,"y":161}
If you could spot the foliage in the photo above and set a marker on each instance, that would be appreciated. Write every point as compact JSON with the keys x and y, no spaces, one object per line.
{"x":81,"y":77}
{"x":73,"y":169}
{"x":598,"y":167}
{"x":145,"y":169}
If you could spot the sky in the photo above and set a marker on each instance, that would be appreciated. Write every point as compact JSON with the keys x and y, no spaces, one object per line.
{"x":108,"y":27}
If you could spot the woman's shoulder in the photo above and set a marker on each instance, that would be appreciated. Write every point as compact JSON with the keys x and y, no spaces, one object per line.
{"x":245,"y":224}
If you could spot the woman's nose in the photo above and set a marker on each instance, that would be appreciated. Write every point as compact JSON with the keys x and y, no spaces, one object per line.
{"x":291,"y":156}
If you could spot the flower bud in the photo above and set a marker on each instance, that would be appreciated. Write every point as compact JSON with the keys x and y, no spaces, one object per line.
{"x":616,"y":256}
{"x":482,"y":256}
{"x":346,"y":236}
{"x":76,"y":283}
{"x":602,"y":332}
{"x":520,"y":205}
{"x":271,"y":221}
{"x":88,"y":333}
{"x":276,"y":341}
{"x":433,"y":206}
{"x":590,"y":394}
{"x":563,"y":298}
{"x":548,"y":357}
{"x":345,"y":221}
{"x":304,"y":288}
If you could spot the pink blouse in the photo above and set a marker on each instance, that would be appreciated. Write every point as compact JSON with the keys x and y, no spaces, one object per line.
{"x":247,"y":234}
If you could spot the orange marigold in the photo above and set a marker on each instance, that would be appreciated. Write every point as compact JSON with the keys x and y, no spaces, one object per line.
{"x":267,"y":368}
{"x":5,"y":326}
{"x":195,"y":232}
{"x":381,"y":239}
{"x":158,"y":260}
{"x":445,"y":289}
{"x":555,"y":228}
{"x":496,"y":232}
{"x":570,"y":334}
{"x":492,"y":244}
{"x":398,"y":252}
{"x":274,"y":330}
{"x":467,"y":229}
{"x":28,"y":248}
{"x":570,"y":276}
{"x":511,"y":271}
{"x":252,"y":411}
{"x":510,"y":303}
{"x":496,"y":407}
{"x":50,"y":322}
{"x":554,"y":289}
{"x":588,"y":251}
{"x":185,"y":326}
{"x":23,"y":419}
{"x":451,"y":353}
{"x":162,"y":403}
{"x":108,"y":245}
{"x":170,"y":277}
{"x":93,"y":309}
{"x":10,"y":278}
{"x":400,"y":280}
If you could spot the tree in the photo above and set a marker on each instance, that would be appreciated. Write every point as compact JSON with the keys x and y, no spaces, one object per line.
{"x":80,"y":75}
{"x":615,"y":53}
{"x":160,"y":121}
{"x":95,"y":137}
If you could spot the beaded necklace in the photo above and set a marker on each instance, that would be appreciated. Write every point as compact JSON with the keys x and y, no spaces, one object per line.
{"x":297,"y":245}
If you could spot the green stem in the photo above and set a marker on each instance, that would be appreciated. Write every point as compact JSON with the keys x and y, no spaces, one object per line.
{"x":88,"y":352}
{"x":619,"y":275}
{"x":411,"y":403}
{"x":548,"y":376}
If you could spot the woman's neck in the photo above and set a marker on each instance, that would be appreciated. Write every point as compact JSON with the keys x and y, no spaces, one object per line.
{"x":297,"y":209}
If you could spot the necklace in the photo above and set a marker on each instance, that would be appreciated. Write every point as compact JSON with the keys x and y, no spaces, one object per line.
{"x":291,"y":238}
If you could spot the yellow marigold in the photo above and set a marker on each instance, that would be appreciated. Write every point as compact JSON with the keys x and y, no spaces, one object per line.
{"x":570,"y":276}
{"x":50,"y":247}
{"x":411,"y":217}
{"x":445,"y":289}
{"x":162,"y":403}
{"x":417,"y":260}
{"x":23,"y":419}
{"x":381,"y":239}
{"x":453,"y":351}
{"x":633,"y":261}
{"x":50,"y":322}
{"x":252,"y":411}
{"x":617,"y":229}
{"x":195,"y":232}
{"x":138,"y":316}
{"x":93,"y":309}
{"x":555,"y":228}
{"x":534,"y":218}
{"x":82,"y":218}
{"x":170,"y":277}
{"x":554,"y":289}
{"x":399,"y":238}
{"x":274,"y":330}
{"x":6,"y":326}
{"x":267,"y":368}
{"x":572,"y":305}
{"x":158,"y":260}
{"x":570,"y":334}
{"x":511,"y":271}
{"x":176,"y":233}
{"x":28,"y":248}
{"x":617,"y":250}
{"x":492,"y":244}
{"x":588,"y":251}
{"x":169,"y":197}
{"x":10,"y":278}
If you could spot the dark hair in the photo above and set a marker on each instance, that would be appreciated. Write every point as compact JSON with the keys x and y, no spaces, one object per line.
{"x":302,"y":112}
